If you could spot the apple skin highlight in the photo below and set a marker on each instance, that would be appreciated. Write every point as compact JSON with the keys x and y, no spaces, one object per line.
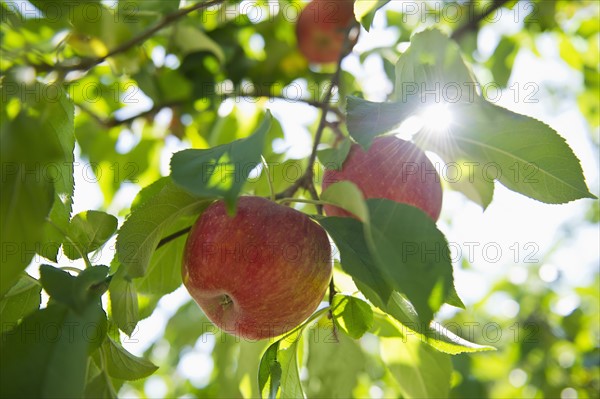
{"x":391,"y":168}
{"x":259,"y":273}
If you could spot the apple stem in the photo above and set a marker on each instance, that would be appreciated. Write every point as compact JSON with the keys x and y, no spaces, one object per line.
{"x":226,"y":300}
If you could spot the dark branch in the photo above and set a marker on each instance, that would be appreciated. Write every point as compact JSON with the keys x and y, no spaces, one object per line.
{"x":87,"y":63}
{"x":112,"y":122}
{"x":473,"y":24}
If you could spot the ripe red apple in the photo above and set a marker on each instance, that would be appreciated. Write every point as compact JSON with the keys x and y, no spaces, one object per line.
{"x":321,"y":29}
{"x":259,"y":273}
{"x":394,"y":169}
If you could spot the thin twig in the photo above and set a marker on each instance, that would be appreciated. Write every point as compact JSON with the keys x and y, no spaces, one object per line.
{"x":87,"y":63}
{"x":306,"y":180}
{"x":112,"y":121}
{"x":473,"y":24}
{"x":313,"y":193}
{"x":335,"y":128}
{"x":317,"y":104}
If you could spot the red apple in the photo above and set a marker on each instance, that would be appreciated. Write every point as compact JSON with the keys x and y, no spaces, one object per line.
{"x":321,"y":29}
{"x":259,"y":273}
{"x":394,"y":169}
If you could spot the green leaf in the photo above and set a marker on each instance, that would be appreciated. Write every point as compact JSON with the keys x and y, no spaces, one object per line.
{"x":141,"y":232}
{"x":367,"y":120}
{"x":51,"y":362}
{"x":123,"y":365}
{"x":433,"y":63}
{"x":421,"y":371}
{"x":61,"y":175}
{"x":182,"y":328}
{"x":502,"y":60}
{"x":290,"y":376}
{"x":98,"y":384}
{"x":220,"y":171}
{"x":190,"y":39}
{"x":98,"y":388}
{"x":336,"y":361}
{"x":37,"y":178}
{"x":91,"y":284}
{"x":352,"y":315}
{"x":413,"y":261}
{"x":23,"y":298}
{"x":333,"y":158}
{"x":269,"y":372}
{"x":348,"y":235}
{"x":74,"y":291}
{"x":364,"y":10}
{"x":149,"y":192}
{"x":453,"y":299}
{"x":411,"y":253}
{"x":524,"y":154}
{"x":87,"y":232}
{"x":25,"y":203}
{"x":348,"y":196}
{"x":433,"y":334}
{"x":164,"y":272}
{"x":356,"y":259}
{"x":58,"y":284}
{"x":124,"y":308}
{"x":467,"y":177}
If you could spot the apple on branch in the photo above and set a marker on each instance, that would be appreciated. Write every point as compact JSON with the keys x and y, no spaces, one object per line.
{"x":393,"y":169}
{"x":260,"y":273}
{"x":321,"y":29}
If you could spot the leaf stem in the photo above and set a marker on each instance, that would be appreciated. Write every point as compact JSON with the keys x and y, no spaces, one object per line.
{"x":269,"y":179}
{"x":312,"y":318}
{"x":81,"y":251}
{"x":105,"y":373}
{"x":173,"y":236}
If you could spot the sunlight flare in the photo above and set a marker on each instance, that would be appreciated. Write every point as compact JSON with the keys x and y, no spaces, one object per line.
{"x":437,"y":118}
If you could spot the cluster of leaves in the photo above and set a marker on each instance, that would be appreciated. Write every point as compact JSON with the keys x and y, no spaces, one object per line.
{"x":76,"y":348}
